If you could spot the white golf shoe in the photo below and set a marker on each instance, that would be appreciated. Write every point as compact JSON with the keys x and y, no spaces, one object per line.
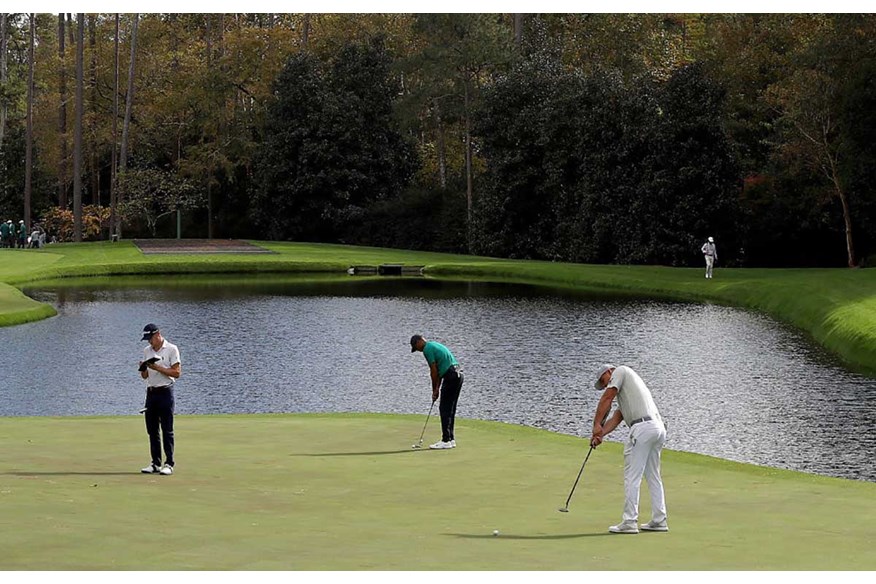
{"x":151,"y":469}
{"x":441,"y":445}
{"x":652,"y":526}
{"x":166,"y":470}
{"x":623,"y":528}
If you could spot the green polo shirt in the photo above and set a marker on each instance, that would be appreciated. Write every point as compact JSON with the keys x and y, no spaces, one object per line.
{"x":440,"y":355}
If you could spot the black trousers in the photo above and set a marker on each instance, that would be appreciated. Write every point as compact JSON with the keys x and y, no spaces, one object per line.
{"x":159,"y":424}
{"x":451,"y":384}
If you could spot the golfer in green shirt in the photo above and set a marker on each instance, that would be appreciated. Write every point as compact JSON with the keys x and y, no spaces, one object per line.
{"x":446,"y":381}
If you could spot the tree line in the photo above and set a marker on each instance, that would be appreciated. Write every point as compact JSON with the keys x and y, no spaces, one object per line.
{"x":601,"y":138}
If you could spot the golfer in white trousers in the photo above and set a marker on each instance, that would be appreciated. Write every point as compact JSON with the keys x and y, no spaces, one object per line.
{"x":642,"y":451}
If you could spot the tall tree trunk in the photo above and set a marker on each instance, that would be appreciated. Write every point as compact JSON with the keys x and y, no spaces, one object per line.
{"x":209,"y":41}
{"x":518,"y":29}
{"x":3,"y":110}
{"x":3,"y":106}
{"x":28,"y":156}
{"x":129,"y":101}
{"x":77,"y":131}
{"x":468,"y":170}
{"x":833,"y":173}
{"x":847,"y":218}
{"x":221,"y":38}
{"x":442,"y":148}
{"x":305,"y":31}
{"x":209,"y":190}
{"x":62,"y":116}
{"x":92,"y":130}
{"x":114,"y":212}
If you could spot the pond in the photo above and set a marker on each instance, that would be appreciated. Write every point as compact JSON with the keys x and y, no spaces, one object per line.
{"x":730,"y":383}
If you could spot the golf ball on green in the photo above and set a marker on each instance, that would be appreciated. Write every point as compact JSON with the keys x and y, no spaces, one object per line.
{"x":495,"y":532}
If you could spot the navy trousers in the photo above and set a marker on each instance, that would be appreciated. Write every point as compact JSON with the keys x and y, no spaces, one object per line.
{"x":159,"y":423}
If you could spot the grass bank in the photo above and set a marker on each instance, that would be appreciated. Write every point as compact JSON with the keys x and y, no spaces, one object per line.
{"x":837,"y":307}
{"x":346,"y":492}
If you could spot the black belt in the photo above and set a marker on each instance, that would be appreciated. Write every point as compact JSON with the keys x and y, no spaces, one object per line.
{"x":158,"y":387}
{"x":642,"y":419}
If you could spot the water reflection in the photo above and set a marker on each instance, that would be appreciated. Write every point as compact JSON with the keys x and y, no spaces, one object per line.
{"x":731,"y":383}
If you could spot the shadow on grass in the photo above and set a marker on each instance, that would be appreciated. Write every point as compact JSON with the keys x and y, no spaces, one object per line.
{"x":531,"y":537}
{"x":70,"y":473}
{"x":408,"y":451}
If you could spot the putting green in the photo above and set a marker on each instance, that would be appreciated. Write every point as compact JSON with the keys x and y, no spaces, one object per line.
{"x":347,"y":492}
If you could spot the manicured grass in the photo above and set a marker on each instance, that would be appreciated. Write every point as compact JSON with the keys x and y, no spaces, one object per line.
{"x":346,"y":492}
{"x":837,"y":307}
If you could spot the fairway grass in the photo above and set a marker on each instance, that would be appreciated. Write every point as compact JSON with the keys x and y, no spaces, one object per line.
{"x":347,"y":492}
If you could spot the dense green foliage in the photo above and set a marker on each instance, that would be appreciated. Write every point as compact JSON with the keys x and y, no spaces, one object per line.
{"x":643,"y":134}
{"x":592,"y":168}
{"x":329,"y":149}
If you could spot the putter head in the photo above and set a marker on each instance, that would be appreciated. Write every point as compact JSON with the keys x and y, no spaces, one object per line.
{"x":415,"y":446}
{"x":563,"y":509}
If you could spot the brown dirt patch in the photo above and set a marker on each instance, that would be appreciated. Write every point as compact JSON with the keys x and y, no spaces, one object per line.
{"x":154,"y":246}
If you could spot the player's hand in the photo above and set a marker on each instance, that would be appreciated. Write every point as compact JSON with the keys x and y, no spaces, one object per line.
{"x":434,"y":395}
{"x":595,"y":441}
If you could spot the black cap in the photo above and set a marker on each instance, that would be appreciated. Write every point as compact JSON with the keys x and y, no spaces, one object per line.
{"x":414,"y":340}
{"x":149,"y":330}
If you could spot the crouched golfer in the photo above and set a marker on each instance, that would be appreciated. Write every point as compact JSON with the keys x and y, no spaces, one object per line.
{"x":643,"y":447}
{"x":446,"y":380}
{"x":160,"y":367}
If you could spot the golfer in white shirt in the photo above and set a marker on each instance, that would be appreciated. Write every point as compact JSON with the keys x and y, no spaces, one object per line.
{"x":710,"y":253}
{"x":642,"y":451}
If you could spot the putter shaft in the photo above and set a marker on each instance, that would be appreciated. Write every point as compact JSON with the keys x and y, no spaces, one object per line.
{"x":566,"y":508}
{"x":423,"y":433}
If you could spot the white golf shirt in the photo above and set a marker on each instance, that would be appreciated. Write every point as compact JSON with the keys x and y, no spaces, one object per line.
{"x":633,"y":396}
{"x":169,"y":355}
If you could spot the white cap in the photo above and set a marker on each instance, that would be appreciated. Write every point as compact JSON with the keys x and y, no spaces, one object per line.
{"x":711,"y":240}
{"x":600,"y":372}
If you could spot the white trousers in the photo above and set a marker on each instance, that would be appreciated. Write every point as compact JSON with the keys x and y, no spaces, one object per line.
{"x":642,"y":457}
{"x":710,"y":262}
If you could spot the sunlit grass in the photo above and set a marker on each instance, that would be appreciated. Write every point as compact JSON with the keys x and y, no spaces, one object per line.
{"x":347,"y":492}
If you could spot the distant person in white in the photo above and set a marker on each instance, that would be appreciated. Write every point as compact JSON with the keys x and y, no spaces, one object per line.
{"x":160,"y":368}
{"x":710,"y":252}
{"x":643,"y":447}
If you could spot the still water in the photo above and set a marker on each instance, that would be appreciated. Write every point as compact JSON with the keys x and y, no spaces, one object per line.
{"x":730,"y":383}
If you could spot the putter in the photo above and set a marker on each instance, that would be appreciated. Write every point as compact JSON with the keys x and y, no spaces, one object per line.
{"x":565,"y":509}
{"x":419,"y":444}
